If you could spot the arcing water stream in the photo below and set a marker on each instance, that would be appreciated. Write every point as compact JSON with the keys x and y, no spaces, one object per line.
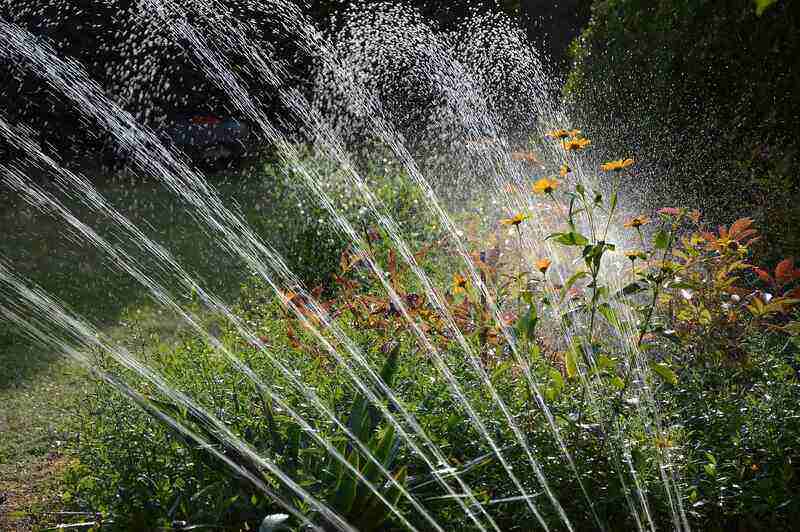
{"x":213,"y":36}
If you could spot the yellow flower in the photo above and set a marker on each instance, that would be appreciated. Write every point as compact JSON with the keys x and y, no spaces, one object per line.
{"x":564,"y":170}
{"x":558,"y":134}
{"x":637,"y":221}
{"x":459,"y":283}
{"x":575,"y":144}
{"x":514,"y":220}
{"x":543,"y":265}
{"x":633,"y":255}
{"x":616,"y":166}
{"x":545,"y":186}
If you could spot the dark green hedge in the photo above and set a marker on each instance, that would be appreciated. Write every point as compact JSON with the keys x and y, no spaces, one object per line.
{"x":706,"y":94}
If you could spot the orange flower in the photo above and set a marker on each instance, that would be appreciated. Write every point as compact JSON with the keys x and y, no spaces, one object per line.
{"x":545,"y":186}
{"x":633,"y":255}
{"x":616,"y":166}
{"x":560,"y":134}
{"x":575,"y":144}
{"x":514,"y":220}
{"x":557,"y":134}
{"x":637,"y":221}
{"x":564,"y":170}
{"x":543,"y":265}
{"x":459,"y":283}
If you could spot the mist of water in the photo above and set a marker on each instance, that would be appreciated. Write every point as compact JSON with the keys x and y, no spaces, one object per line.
{"x":469,"y":105}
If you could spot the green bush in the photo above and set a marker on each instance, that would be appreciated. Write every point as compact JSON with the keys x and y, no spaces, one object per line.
{"x":706,"y":94}
{"x":669,"y":378}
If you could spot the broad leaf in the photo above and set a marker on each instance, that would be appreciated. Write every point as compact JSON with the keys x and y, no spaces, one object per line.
{"x":526,"y":326}
{"x":572,"y":280}
{"x":571,"y":360}
{"x":610,"y":315}
{"x":665,"y":372}
{"x":661,"y":240}
{"x":762,"y":5}
{"x":570,"y":238}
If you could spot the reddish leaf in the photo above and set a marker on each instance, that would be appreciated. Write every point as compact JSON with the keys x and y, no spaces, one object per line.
{"x":785,"y":271}
{"x":764,"y":276}
{"x":739,"y":226}
{"x":793,"y":294}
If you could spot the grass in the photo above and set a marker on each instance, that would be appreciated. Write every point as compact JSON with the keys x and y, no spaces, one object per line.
{"x":37,"y":387}
{"x":36,"y":390}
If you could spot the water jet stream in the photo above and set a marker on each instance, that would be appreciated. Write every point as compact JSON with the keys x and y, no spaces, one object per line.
{"x":40,"y":199}
{"x":40,"y":302}
{"x":296,"y":102}
{"x":140,"y":144}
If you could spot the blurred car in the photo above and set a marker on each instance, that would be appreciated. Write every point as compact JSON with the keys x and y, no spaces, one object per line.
{"x":209,"y":140}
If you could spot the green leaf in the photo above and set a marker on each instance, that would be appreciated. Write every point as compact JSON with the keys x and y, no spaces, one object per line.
{"x":390,"y":366}
{"x":383,"y":452}
{"x":293,"y":443}
{"x":762,"y":5}
{"x":617,"y":383}
{"x":630,"y":289}
{"x":556,"y":380}
{"x":665,"y":372}
{"x":453,"y":421}
{"x":610,"y":315}
{"x":570,"y":238}
{"x":526,"y":326}
{"x":358,"y":422}
{"x":500,"y":370}
{"x":536,"y":353}
{"x":550,"y":394}
{"x":571,"y":360}
{"x":394,"y":494}
{"x":346,"y":487}
{"x":606,"y":362}
{"x":661,"y":240}
{"x":363,"y":418}
{"x":613,"y":206}
{"x":593,"y":254}
{"x":572,"y":280}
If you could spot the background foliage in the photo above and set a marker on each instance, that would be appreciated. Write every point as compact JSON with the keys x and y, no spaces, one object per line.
{"x":709,"y":90}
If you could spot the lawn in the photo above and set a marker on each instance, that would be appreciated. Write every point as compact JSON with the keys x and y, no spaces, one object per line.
{"x":40,"y":389}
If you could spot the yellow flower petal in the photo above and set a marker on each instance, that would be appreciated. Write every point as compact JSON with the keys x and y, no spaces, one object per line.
{"x":514,"y":220}
{"x":545,"y":186}
{"x":616,"y":166}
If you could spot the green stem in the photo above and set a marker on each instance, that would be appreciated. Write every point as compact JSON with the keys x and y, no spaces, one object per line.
{"x":613,"y":206}
{"x":646,"y":324}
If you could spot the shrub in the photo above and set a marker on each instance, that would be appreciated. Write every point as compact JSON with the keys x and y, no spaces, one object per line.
{"x":632,"y":374}
{"x":682,"y":80}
